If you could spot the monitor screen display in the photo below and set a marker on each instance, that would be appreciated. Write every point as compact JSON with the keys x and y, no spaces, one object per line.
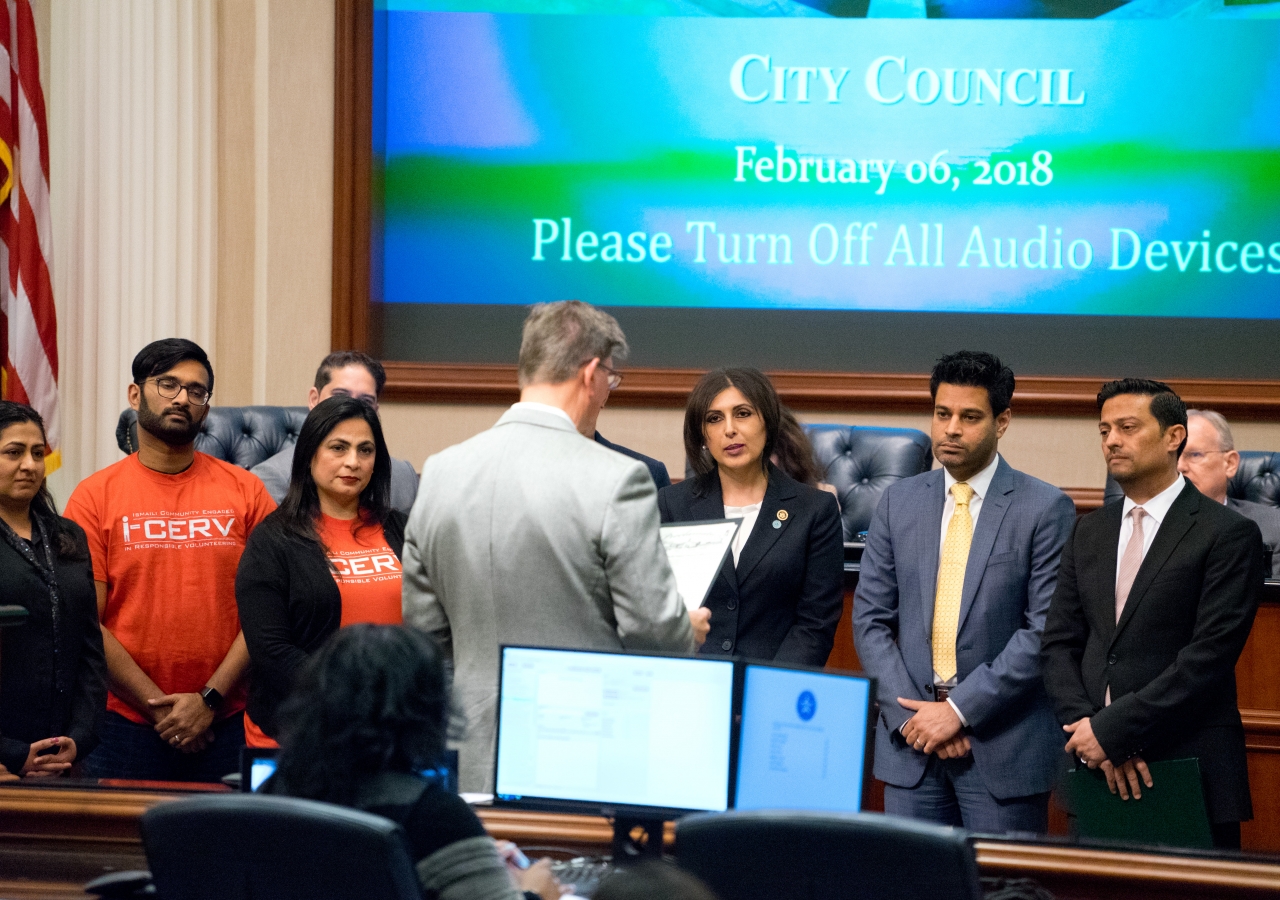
{"x":804,"y":740}
{"x":614,"y":729}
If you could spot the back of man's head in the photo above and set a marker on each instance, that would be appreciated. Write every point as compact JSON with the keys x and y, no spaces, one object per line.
{"x":160,"y":356}
{"x":559,"y":337}
{"x":1166,"y":406}
{"x":340,"y":359}
{"x":975,"y":368}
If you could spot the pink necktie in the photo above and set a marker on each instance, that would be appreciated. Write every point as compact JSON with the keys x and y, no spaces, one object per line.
{"x":1131,"y":562}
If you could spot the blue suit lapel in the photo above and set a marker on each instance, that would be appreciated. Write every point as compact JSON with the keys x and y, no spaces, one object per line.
{"x":994,"y":506}
{"x":929,"y":540}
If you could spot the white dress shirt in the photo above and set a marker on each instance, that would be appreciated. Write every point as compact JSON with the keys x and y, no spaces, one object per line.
{"x":1156,"y":509}
{"x":748,"y":515}
{"x":981,"y":483}
{"x":546,"y":408}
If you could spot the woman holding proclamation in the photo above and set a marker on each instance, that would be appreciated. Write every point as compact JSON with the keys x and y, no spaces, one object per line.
{"x":328,"y":557}
{"x":780,"y":593}
{"x":53,"y":690}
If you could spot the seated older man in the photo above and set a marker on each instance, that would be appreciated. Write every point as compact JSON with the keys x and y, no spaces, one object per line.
{"x":347,"y":373}
{"x":1210,"y":460}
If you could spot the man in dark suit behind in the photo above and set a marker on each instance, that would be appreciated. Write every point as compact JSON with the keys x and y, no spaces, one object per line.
{"x":1155,"y":599}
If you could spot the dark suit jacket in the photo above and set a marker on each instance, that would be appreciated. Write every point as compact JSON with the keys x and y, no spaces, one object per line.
{"x":657,"y":470}
{"x":289,"y":605}
{"x":30,"y":707}
{"x":1170,"y":660}
{"x":784,"y":598}
{"x":1268,"y":519}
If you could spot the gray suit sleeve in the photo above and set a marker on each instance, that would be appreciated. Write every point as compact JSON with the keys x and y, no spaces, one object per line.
{"x":992,"y":687}
{"x":274,"y":473}
{"x":646,"y":604}
{"x":421,"y":606}
{"x":404,"y":485}
{"x":875,"y":620}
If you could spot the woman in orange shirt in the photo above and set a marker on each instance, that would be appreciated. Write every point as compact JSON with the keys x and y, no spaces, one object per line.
{"x":328,"y":557}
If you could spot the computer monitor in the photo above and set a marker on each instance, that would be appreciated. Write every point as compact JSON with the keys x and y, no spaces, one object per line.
{"x":257,"y":764}
{"x":803,"y":739}
{"x":613,"y":734}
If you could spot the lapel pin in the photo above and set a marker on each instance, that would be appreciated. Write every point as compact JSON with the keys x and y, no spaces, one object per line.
{"x":777,"y":524}
{"x":782,"y":514}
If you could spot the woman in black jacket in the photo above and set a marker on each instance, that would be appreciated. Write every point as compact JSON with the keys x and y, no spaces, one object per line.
{"x":53,"y":690}
{"x":328,"y":557}
{"x":780,"y":592}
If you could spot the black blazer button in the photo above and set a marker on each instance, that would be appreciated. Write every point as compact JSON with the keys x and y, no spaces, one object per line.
{"x":726,"y":646}
{"x":928,"y":689}
{"x":1111,"y":660}
{"x":731,"y":605}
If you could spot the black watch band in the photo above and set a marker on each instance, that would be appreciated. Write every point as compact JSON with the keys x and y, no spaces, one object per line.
{"x":211,"y":698}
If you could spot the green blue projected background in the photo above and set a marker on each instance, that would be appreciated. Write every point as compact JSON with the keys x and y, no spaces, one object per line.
{"x":1089,"y":167}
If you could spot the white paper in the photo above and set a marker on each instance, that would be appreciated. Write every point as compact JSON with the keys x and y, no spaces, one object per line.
{"x":696,"y":552}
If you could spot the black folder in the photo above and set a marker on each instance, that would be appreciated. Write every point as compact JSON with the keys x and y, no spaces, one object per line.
{"x":1172,"y":812}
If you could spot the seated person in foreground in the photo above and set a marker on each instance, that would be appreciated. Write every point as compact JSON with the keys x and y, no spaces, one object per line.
{"x":780,"y":595}
{"x":371,"y":710}
{"x":327,"y":558}
{"x":53,"y":688}
{"x":1210,"y":461}
{"x":343,"y":373}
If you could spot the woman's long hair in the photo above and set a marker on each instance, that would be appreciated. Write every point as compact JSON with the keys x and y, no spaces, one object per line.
{"x":758,"y":390}
{"x":375,"y":698}
{"x":300,"y":509}
{"x":793,"y":452}
{"x":66,"y":544}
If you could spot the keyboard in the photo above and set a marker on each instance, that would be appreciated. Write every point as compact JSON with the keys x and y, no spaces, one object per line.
{"x":582,"y":874}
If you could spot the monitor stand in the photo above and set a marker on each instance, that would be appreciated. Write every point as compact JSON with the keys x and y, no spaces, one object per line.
{"x":636,"y":840}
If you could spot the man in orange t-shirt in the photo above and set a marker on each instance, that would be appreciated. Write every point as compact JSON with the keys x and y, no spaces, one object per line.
{"x":166,"y":527}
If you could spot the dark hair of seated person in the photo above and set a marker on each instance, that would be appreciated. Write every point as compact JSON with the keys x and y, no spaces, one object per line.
{"x":374,"y":699}
{"x":300,"y":509}
{"x":652,"y":881}
{"x":792,"y":451}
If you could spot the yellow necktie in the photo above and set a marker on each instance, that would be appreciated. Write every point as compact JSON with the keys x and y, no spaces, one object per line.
{"x":946,"y":606}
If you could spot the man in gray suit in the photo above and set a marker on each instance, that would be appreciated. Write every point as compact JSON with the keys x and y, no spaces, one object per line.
{"x":1210,"y":460}
{"x":530,"y":533}
{"x":955,"y":581}
{"x":347,"y":373}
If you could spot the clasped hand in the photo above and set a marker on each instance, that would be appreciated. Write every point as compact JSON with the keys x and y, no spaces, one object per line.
{"x":182,"y":721}
{"x":1124,"y":779}
{"x":935,"y":728}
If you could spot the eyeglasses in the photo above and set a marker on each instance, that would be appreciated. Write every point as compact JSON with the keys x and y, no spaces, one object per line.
{"x":615,"y":377}
{"x":368,"y":400}
{"x":169,"y":388}
{"x":1196,"y":456}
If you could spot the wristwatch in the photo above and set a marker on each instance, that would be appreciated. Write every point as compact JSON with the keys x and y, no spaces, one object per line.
{"x":211,"y":698}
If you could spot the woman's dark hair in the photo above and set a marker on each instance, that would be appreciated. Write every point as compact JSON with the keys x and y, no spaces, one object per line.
{"x":792,"y":451}
{"x":758,"y":390}
{"x":374,"y":698}
{"x":68,"y":544}
{"x":300,"y":509}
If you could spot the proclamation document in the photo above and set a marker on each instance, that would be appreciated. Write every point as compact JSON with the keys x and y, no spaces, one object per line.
{"x":696,"y":551}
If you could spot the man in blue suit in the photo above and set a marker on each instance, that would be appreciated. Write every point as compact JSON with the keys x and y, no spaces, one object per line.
{"x":955,"y":582}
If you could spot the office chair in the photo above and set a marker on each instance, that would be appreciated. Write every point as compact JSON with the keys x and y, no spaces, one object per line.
{"x":243,"y":846}
{"x":242,"y":435}
{"x":762,"y":855}
{"x":861,"y":462}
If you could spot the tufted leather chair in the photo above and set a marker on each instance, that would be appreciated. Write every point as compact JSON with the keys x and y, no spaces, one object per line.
{"x":1257,"y":479}
{"x":244,"y":435}
{"x":860,"y":462}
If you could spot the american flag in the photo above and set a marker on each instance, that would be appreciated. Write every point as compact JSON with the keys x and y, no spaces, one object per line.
{"x":28,"y":323}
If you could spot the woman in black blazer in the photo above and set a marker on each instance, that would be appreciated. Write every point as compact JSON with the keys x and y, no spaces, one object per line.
{"x":328,"y":557}
{"x":53,"y":689}
{"x":780,"y":593}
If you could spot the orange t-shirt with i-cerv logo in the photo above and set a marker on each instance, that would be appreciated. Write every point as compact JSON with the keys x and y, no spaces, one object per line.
{"x":366,"y":570}
{"x":167,"y":547}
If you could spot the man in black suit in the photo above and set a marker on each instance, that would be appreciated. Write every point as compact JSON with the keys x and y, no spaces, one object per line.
{"x":1155,"y":598}
{"x":657,"y":470}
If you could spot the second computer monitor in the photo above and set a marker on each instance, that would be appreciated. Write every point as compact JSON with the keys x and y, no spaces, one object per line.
{"x":803,"y":740}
